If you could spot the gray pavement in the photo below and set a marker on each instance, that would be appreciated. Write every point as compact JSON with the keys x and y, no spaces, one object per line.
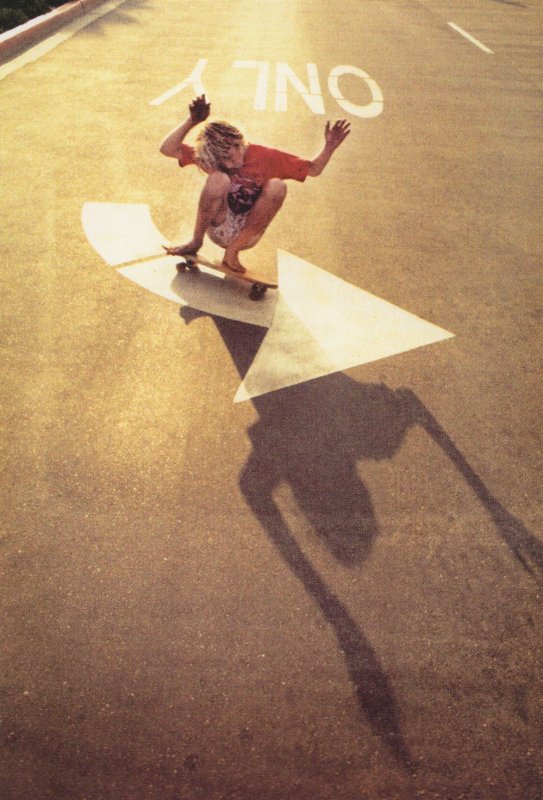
{"x":331,"y":591}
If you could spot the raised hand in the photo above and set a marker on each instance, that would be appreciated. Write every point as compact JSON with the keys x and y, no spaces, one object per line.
{"x":199,"y":109}
{"x":337,"y":133}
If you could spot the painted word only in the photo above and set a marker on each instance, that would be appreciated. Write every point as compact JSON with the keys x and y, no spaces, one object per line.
{"x":286,"y":77}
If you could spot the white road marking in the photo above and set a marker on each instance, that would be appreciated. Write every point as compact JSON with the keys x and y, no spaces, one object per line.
{"x":312,"y":95}
{"x":372,"y":109}
{"x":121,"y":232}
{"x":470,"y":38}
{"x":194,"y":80}
{"x":65,"y":33}
{"x":324,"y":325}
{"x":285,"y":75}
{"x":318,"y":323}
{"x":263,"y":68}
{"x":289,"y":355}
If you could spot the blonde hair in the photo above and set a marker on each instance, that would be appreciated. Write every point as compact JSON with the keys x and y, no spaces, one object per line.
{"x":214,"y":142}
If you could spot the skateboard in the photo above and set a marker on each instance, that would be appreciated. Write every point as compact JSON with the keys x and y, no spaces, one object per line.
{"x":259,"y":285}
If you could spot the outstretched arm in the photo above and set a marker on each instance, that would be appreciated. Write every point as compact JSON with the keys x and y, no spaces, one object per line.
{"x":198,"y":112}
{"x":334,"y":135}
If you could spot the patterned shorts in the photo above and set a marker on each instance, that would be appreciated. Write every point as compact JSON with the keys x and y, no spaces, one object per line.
{"x":225,"y":233}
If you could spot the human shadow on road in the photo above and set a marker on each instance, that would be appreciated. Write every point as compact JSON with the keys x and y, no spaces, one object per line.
{"x":311,"y":437}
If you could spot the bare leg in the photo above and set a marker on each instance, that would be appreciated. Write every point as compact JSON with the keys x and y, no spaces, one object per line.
{"x":211,"y":211}
{"x":258,"y":219}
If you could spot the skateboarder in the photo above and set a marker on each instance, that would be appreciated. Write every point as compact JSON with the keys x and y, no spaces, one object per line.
{"x":245,"y":185}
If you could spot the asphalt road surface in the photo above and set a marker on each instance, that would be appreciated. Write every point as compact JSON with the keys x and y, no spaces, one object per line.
{"x":330,"y":590}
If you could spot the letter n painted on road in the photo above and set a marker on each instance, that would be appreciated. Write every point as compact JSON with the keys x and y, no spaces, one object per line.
{"x":312,"y":96}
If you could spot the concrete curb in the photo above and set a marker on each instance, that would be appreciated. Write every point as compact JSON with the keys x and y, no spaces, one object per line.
{"x":12,"y":42}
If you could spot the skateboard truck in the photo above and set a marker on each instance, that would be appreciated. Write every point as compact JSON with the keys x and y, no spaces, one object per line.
{"x":190,"y":263}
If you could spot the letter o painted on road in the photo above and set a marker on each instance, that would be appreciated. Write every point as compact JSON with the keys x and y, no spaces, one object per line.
{"x":372,"y":109}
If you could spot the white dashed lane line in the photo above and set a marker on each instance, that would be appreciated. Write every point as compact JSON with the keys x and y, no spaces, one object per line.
{"x":470,"y":38}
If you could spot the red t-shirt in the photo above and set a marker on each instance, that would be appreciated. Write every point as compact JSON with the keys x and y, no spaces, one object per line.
{"x":260,"y":165}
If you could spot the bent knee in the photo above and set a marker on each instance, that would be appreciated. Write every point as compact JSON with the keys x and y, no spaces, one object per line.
{"x":276,"y":190}
{"x":217,"y":183}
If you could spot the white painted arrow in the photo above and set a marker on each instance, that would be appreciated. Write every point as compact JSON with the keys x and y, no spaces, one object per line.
{"x":318,"y":323}
{"x":324,"y":324}
{"x":121,"y":232}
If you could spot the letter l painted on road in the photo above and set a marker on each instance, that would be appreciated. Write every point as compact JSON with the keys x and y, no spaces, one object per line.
{"x":263,"y":68}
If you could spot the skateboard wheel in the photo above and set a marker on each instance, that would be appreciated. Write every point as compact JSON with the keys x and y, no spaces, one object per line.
{"x":191,"y":266}
{"x":258,"y":290}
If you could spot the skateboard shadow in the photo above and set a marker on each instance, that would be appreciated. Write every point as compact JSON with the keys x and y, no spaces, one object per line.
{"x":223,"y":295}
{"x":311,"y":437}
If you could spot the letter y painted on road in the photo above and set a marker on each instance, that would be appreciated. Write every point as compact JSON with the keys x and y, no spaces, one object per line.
{"x":194,"y":80}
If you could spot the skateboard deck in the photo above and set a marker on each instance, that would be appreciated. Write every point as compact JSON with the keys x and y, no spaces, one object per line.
{"x":259,"y":285}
